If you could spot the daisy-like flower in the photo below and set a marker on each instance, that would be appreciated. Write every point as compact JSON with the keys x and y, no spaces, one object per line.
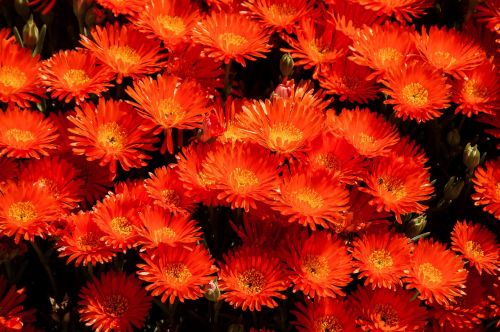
{"x":436,"y":273}
{"x":8,"y":171}
{"x":13,"y":316}
{"x":127,"y":52}
{"x":349,"y":81}
{"x":82,"y":242}
{"x":487,"y":186}
{"x":280,"y":125}
{"x":477,"y":245}
{"x":323,"y":315}
{"x":112,"y":132}
{"x":381,"y":257}
{"x":169,"y":20}
{"x":403,"y":10}
{"x":129,"y":7}
{"x":387,"y":310}
{"x":479,"y":92}
{"x":227,"y":37}
{"x":488,"y":12}
{"x":18,"y":75}
{"x":350,"y":16}
{"x":362,"y":215}
{"x":160,"y":226}
{"x":177,"y":272}
{"x":75,"y":74}
{"x":320,"y":265}
{"x":398,"y":186}
{"x":302,"y":93}
{"x":449,"y":51}
{"x":382,"y":47}
{"x":220,"y":123}
{"x":245,"y":173}
{"x":114,"y":302}
{"x":26,"y":210}
{"x":369,"y":133}
{"x":312,"y":199}
{"x":409,"y":151}
{"x":26,"y":134}
{"x":279,"y":14}
{"x":417,"y":92}
{"x":166,"y":190}
{"x":168,"y":103}
{"x":251,"y":279}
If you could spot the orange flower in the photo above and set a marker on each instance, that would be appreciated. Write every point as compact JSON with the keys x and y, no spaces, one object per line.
{"x":403,"y":10}
{"x":449,"y":51}
{"x":44,"y":6}
{"x":114,"y":302}
{"x":320,"y":265}
{"x":436,"y":273}
{"x":244,"y":173}
{"x":410,"y":152}
{"x":479,"y":92}
{"x":398,"y":186}
{"x":251,"y":278}
{"x":232,"y":36}
{"x":369,"y":133}
{"x":8,"y":171}
{"x":302,"y":93}
{"x":382,"y":257}
{"x":477,"y":245}
{"x":26,"y":211}
{"x":350,"y":16}
{"x":361,"y":215}
{"x":323,"y":315}
{"x":169,"y":20}
{"x":82,"y":242}
{"x":129,"y":7}
{"x":170,"y":104}
{"x":417,"y":92}
{"x":487,"y":186}
{"x":387,"y":310}
{"x":280,"y":125}
{"x":125,"y":51}
{"x":18,"y":75}
{"x":112,"y":132}
{"x":312,"y":199}
{"x":489,"y":13}
{"x":75,"y":75}
{"x":160,"y":226}
{"x":26,"y":134}
{"x":279,"y":14}
{"x":13,"y":316}
{"x":177,"y":272}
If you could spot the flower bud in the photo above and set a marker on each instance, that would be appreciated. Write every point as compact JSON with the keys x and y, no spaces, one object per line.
{"x":286,"y":65}
{"x":212,"y":291}
{"x":284,"y":90}
{"x":415,"y":226}
{"x":236,"y":328}
{"x":30,"y":33}
{"x":22,"y":8}
{"x":472,"y":156}
{"x":453,"y":137}
{"x":453,"y":188}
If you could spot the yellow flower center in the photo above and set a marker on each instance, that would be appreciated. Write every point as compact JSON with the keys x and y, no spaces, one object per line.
{"x":75,"y":77}
{"x":389,"y":56}
{"x":111,"y":136}
{"x":243,"y":179}
{"x":232,"y":41}
{"x":12,"y":77}
{"x":115,"y":305}
{"x":474,"y":91}
{"x":387,"y":314}
{"x":204,"y":180}
{"x":49,"y":184}
{"x":497,"y":189}
{"x":327,"y":160}
{"x":164,"y":233}
{"x":380,"y":259}
{"x":177,"y":273}
{"x":282,"y":11}
{"x":430,"y":274}
{"x":474,"y":249}
{"x":171,"y":110}
{"x":328,"y":324}
{"x":19,"y":136}
{"x":88,"y":241}
{"x":415,"y":94}
{"x":173,"y":24}
{"x":308,"y":197}
{"x":251,"y":281}
{"x":366,"y":140}
{"x":121,"y":225}
{"x":443,"y":59}
{"x":24,"y":212}
{"x":316,"y":267}
{"x":125,"y":54}
{"x":170,"y":196}
{"x":282,"y":133}
{"x":318,"y":49}
{"x":393,"y":186}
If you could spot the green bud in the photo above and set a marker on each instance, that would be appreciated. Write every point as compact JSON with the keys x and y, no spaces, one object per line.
{"x":212,"y":291}
{"x":286,"y":65}
{"x":30,"y":33}
{"x":22,"y":8}
{"x":453,"y":137}
{"x":472,"y":156}
{"x":415,"y":226}
{"x":236,"y":328}
{"x":453,"y":188}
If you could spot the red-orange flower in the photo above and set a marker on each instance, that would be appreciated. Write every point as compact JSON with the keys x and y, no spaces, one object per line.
{"x":232,"y":36}
{"x":251,"y":279}
{"x":382,"y":257}
{"x":75,"y":74}
{"x":82,"y":243}
{"x":114,"y":302}
{"x":489,"y":13}
{"x":350,"y":16}
{"x":487,"y":186}
{"x":361,"y":215}
{"x":418,"y":92}
{"x":320,"y":265}
{"x":13,"y":316}
{"x":245,"y":173}
{"x":26,"y":134}
{"x":129,"y":7}
{"x":477,"y":245}
{"x":112,"y":132}
{"x":403,"y":10}
{"x":127,"y":52}
{"x":323,"y":315}
{"x":8,"y":171}
{"x":177,"y":272}
{"x":436,"y":273}
{"x":44,"y":6}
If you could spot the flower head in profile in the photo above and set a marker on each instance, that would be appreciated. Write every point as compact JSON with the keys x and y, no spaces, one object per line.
{"x":488,"y":12}
{"x":129,"y":7}
{"x":487,"y":186}
{"x":13,"y":315}
{"x":232,"y":36}
{"x":114,"y":302}
{"x":403,"y":10}
{"x":324,"y":314}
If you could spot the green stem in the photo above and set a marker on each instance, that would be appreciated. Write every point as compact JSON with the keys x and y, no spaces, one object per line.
{"x":416,"y":238}
{"x":46,"y":266}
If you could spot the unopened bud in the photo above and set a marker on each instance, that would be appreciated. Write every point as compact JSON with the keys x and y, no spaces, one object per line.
{"x":212,"y":291}
{"x":236,"y":328}
{"x":22,"y":8}
{"x":286,"y":65}
{"x":453,"y":188}
{"x":472,"y":156}
{"x":284,"y":90}
{"x":415,"y":226}
{"x":453,"y":137}
{"x":30,"y":33}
